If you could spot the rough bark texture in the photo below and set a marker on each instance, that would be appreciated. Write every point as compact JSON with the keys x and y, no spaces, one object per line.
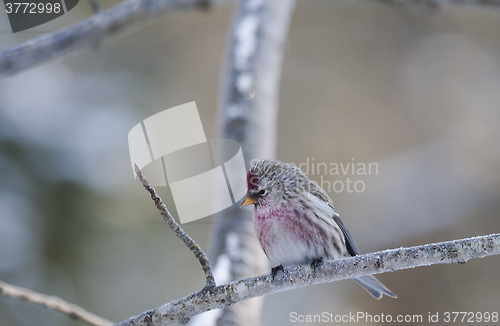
{"x":456,"y":251}
{"x":249,"y":108}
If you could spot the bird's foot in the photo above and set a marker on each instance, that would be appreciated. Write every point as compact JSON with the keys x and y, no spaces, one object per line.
{"x":316,"y":263}
{"x":275,"y":270}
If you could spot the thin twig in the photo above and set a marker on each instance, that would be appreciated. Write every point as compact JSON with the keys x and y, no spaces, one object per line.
{"x":179,"y":232}
{"x":89,"y":32}
{"x":52,"y":303}
{"x":456,"y":251}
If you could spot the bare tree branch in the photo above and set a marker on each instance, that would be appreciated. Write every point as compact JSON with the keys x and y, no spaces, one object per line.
{"x":52,"y":303}
{"x":456,"y":251}
{"x":89,"y":32}
{"x":179,"y":232}
{"x":106,"y":23}
{"x":180,"y":311}
{"x":249,"y":108}
{"x":211,"y":297}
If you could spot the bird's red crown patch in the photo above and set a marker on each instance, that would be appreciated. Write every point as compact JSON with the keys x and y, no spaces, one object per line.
{"x":252,"y":180}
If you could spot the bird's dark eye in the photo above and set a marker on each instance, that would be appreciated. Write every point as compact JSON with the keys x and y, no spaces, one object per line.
{"x":262,"y":191}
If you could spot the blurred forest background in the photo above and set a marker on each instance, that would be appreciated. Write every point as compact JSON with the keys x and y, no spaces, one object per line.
{"x":410,"y":88}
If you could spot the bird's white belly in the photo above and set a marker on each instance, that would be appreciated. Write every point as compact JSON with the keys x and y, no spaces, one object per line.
{"x":282,"y":243}
{"x":288,"y":251}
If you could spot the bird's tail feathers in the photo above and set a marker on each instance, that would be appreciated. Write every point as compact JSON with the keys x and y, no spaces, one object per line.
{"x":374,"y":287}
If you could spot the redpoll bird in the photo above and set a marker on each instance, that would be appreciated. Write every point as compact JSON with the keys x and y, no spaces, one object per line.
{"x":296,"y":223}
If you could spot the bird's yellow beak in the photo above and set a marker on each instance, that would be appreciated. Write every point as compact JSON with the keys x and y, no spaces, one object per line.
{"x":248,"y":201}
